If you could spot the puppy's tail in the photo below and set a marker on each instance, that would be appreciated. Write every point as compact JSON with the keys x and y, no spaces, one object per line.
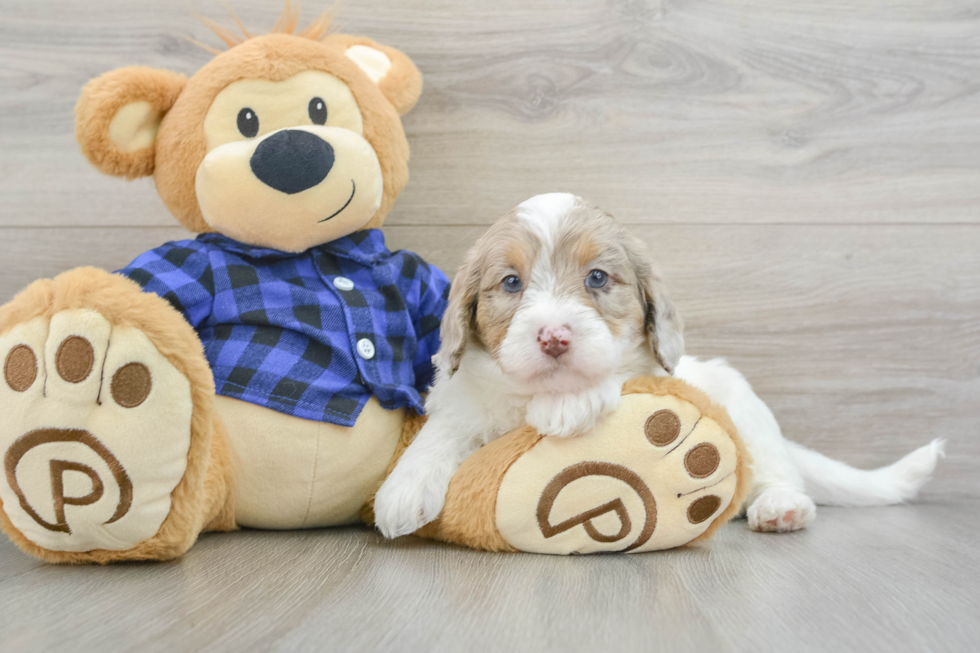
{"x":830,"y":482}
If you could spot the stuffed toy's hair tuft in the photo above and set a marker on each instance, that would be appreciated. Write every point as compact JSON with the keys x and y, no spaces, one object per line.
{"x":288,"y":23}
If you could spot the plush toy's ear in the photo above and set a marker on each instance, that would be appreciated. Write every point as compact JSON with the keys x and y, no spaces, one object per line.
{"x":117,"y":117}
{"x":394,"y":73}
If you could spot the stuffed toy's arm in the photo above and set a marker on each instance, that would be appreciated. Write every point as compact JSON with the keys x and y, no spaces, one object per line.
{"x":179,"y":272}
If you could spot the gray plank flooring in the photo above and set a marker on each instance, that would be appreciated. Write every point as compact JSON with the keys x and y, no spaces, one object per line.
{"x":890,"y":579}
{"x":808,"y":177}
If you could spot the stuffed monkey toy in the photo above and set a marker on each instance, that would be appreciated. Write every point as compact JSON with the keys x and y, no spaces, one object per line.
{"x":268,"y":372}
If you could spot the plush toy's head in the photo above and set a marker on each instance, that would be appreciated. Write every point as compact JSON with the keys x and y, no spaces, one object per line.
{"x":285,"y":140}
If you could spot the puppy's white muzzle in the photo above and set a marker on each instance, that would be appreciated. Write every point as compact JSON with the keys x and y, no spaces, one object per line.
{"x":557,"y":344}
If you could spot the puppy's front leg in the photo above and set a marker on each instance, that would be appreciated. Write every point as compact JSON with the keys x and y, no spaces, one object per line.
{"x":415,"y":492}
{"x":568,"y":414}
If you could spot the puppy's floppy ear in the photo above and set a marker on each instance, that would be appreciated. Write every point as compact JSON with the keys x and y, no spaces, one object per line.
{"x":394,"y":73}
{"x":663,"y":324}
{"x":457,"y":321}
{"x":117,"y":117}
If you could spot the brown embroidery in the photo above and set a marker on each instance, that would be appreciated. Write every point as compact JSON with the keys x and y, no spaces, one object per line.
{"x":662,"y":428}
{"x":39,"y":437}
{"x":20,"y":368}
{"x":594,"y":468}
{"x":702,"y":460}
{"x":74,"y":359}
{"x":58,"y":469}
{"x":702,"y":508}
{"x":585,"y":518}
{"x":131,"y":385}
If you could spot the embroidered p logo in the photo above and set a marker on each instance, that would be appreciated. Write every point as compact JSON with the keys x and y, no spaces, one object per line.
{"x":654,"y":474}
{"x":589,"y":470}
{"x":57,"y":469}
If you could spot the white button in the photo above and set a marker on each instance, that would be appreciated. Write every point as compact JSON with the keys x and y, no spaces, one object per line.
{"x":365,"y":348}
{"x":343,"y":283}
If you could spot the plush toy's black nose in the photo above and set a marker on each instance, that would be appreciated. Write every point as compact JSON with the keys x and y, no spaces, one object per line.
{"x":292,"y":160}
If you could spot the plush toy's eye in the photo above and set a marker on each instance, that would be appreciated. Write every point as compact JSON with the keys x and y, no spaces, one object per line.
{"x":596,"y":279}
{"x":318,"y":111}
{"x":513,"y":284}
{"x":248,"y":123}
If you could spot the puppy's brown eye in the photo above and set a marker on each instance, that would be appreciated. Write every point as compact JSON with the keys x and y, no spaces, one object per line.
{"x":248,"y":123}
{"x":596,"y":279}
{"x":318,"y":111}
{"x":513,"y":284}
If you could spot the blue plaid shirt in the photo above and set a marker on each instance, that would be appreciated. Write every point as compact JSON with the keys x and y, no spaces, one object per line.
{"x":288,"y":331}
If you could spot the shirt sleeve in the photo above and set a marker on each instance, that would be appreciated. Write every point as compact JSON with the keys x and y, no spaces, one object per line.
{"x":433,"y":297}
{"x":179,"y":272}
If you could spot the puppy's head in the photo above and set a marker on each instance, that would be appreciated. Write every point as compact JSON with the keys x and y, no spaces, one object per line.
{"x":562,"y":297}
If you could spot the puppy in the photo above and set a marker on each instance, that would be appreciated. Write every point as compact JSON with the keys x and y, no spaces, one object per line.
{"x":552,"y":310}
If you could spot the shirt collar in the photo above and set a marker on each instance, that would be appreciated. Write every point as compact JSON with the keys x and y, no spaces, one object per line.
{"x":365,"y":246}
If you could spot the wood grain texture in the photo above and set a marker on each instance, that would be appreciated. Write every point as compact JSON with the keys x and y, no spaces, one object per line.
{"x":684,"y":111}
{"x":876,"y":580}
{"x":808,"y":178}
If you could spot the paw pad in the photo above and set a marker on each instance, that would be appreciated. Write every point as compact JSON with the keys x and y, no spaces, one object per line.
{"x":779,"y":509}
{"x":20,"y":368}
{"x":703,"y":508}
{"x":74,"y":359}
{"x":702,"y":460}
{"x":131,"y":385}
{"x":662,"y":428}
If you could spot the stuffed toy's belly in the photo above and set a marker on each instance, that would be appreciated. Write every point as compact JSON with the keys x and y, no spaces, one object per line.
{"x":297,"y":473}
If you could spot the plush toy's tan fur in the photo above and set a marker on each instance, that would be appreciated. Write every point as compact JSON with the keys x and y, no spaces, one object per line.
{"x":103,"y":97}
{"x":470,"y":515}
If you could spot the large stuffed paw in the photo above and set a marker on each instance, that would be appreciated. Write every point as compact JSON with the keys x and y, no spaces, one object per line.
{"x":665,"y":469}
{"x":95,"y":433}
{"x":105,"y":438}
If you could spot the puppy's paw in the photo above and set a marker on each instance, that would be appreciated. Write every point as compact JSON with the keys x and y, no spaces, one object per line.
{"x":780,"y":510}
{"x":565,"y":415}
{"x":409,"y":499}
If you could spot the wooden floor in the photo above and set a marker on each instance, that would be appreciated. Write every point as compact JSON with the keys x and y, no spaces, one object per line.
{"x":808,"y":175}
{"x":887,"y":579}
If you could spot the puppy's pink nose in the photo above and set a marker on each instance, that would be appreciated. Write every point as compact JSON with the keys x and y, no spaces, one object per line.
{"x":554,"y":341}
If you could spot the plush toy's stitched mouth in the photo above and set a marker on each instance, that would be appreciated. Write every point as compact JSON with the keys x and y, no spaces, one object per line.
{"x":353,"y":189}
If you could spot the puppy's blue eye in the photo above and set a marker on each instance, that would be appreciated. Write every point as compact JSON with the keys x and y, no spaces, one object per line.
{"x":596,"y":279}
{"x":513,"y":284}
